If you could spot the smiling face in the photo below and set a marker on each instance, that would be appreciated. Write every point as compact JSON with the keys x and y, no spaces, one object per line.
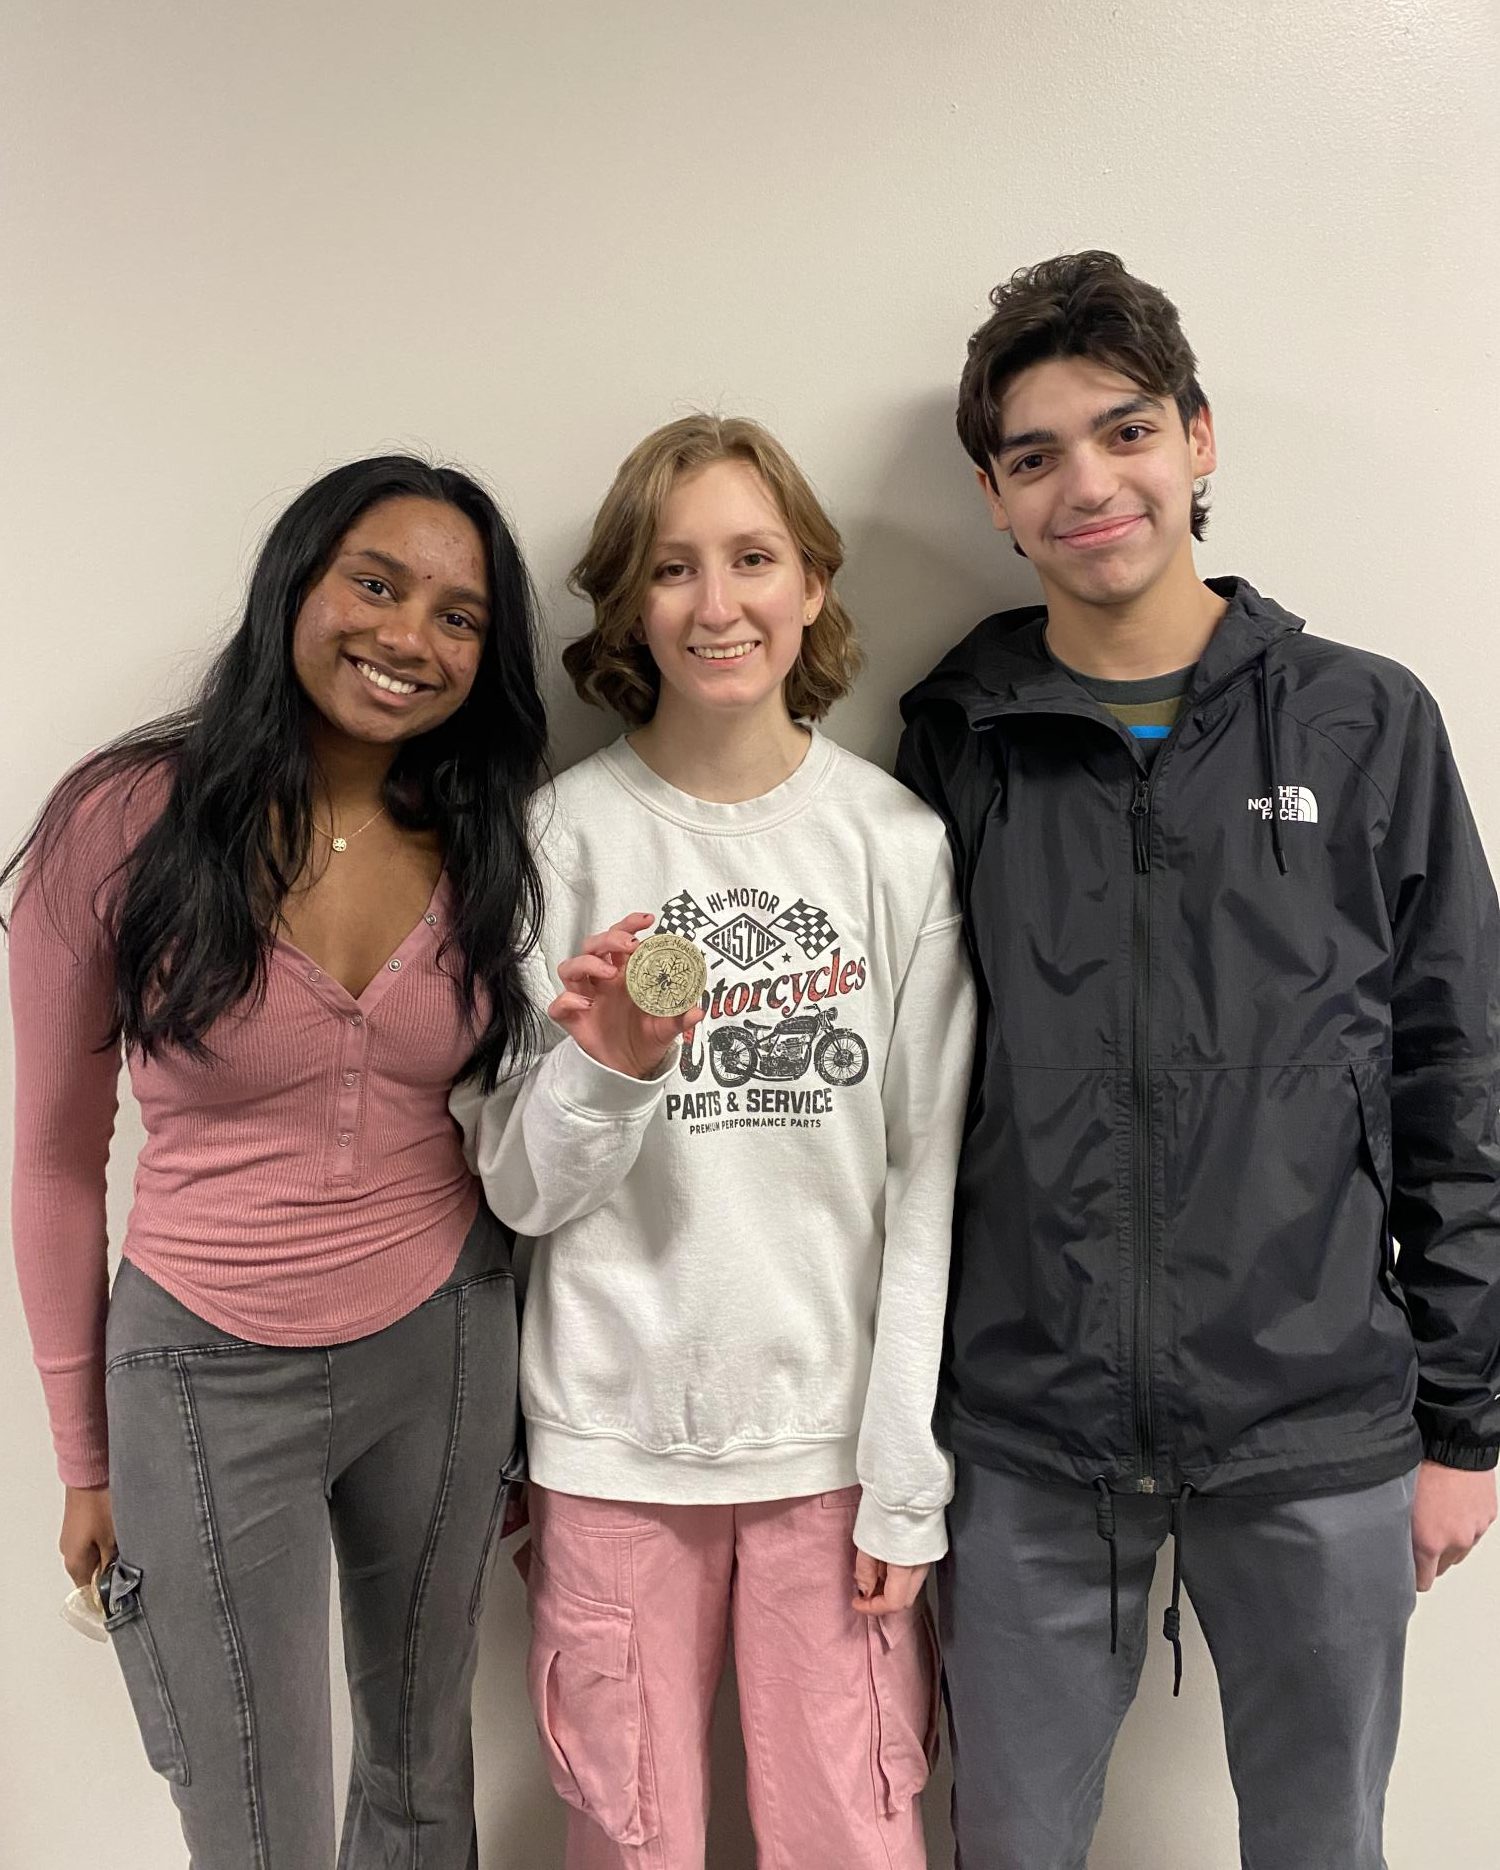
{"x":387,"y":642}
{"x":729,"y":596}
{"x":1094,"y":479}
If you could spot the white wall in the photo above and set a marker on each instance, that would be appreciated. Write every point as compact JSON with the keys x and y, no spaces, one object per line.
{"x":244,"y":243}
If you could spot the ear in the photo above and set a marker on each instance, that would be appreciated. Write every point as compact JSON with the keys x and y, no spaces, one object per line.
{"x":814,"y":590}
{"x":1201,"y":443}
{"x":993,"y":501}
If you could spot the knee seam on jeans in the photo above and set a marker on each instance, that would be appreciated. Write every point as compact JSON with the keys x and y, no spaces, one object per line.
{"x":424,"y":1567}
{"x":209,"y":1529}
{"x":328,"y":1445}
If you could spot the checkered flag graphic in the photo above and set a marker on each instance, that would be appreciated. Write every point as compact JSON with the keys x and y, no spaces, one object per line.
{"x":681,"y":916}
{"x":808,"y":926}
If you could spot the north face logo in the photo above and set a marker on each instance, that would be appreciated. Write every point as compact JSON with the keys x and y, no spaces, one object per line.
{"x":1294,"y":805}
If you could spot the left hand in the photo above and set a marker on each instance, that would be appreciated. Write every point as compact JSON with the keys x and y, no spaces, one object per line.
{"x":1453,"y":1510}
{"x":880,"y":1589}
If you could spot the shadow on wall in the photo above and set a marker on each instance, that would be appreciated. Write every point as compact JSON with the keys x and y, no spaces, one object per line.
{"x":924,"y":565}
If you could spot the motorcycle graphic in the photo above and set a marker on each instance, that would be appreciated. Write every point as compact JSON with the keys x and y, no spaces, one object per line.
{"x":776,"y":1053}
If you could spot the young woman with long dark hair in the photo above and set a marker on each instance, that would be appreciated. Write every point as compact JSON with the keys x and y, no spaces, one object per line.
{"x":300,"y":907}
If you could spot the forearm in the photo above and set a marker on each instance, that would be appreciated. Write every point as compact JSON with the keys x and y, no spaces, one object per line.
{"x":58,"y":1228}
{"x":907,"y":1477}
{"x":65,"y":1098}
{"x":554,"y":1145}
{"x":1446,"y":1214}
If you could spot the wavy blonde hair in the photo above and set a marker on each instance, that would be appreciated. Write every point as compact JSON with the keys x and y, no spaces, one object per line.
{"x":611,"y":666}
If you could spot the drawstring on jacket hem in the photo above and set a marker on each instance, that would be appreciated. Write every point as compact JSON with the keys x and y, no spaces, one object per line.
{"x":1104,"y":1521}
{"x":1171,"y":1621}
{"x":1171,"y":1618}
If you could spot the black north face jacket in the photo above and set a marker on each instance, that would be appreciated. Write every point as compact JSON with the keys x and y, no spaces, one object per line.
{"x":1240,"y":1027}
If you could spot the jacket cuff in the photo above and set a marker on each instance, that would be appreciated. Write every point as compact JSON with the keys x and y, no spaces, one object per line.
{"x":1474,"y":1457}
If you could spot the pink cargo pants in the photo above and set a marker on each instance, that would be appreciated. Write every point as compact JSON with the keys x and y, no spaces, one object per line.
{"x":631,"y":1607}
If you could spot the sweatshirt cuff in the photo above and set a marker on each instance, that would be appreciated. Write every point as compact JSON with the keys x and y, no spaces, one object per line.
{"x":1474,"y":1457}
{"x":599,"y":1091}
{"x":899,"y":1537}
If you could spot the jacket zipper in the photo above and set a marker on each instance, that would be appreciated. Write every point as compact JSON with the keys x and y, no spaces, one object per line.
{"x":1140,"y":1141}
{"x":1140,"y":1028}
{"x":1140,"y":1090}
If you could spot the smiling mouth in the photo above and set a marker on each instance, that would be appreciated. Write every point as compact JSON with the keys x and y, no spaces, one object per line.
{"x":388,"y":684}
{"x":1104,"y":532}
{"x":733,"y":652}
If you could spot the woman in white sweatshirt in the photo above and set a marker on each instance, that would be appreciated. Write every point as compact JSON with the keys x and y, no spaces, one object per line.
{"x":733,"y":1327}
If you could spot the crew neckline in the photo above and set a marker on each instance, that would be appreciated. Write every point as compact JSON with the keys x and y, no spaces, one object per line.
{"x":1138,"y":689}
{"x":667,"y":801}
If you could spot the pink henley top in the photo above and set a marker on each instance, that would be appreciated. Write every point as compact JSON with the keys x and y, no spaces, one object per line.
{"x":305,"y":1186}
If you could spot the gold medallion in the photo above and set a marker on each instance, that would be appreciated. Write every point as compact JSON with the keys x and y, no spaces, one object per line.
{"x":666,"y":976}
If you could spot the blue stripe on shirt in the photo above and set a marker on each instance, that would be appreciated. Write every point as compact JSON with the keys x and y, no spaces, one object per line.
{"x":1150,"y":732}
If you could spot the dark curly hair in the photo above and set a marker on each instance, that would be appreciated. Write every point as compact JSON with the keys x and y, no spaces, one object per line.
{"x":1076,"y":305}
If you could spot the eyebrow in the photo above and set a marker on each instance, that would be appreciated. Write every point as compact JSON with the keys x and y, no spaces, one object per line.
{"x":461,"y":593}
{"x":1032,"y":438}
{"x":764,"y":536}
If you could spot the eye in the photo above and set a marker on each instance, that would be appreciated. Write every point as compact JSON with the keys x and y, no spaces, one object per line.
{"x":377,"y":587}
{"x":461,"y":620}
{"x":1023,"y":464}
{"x":669,"y":572}
{"x":1134,"y":432}
{"x":756,"y":558}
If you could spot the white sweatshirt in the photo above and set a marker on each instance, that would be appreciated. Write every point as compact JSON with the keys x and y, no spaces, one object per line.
{"x":739,"y":1287}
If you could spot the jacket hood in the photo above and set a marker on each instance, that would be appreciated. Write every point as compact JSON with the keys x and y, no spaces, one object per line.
{"x":1005,"y":656}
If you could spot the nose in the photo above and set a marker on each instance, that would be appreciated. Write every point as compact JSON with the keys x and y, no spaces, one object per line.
{"x":402,"y":633}
{"x":716,"y":606}
{"x":1091,"y":480}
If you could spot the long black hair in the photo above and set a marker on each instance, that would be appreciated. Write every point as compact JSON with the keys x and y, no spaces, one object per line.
{"x":196,"y":911}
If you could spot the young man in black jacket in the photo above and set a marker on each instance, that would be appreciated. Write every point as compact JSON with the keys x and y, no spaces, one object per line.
{"x":1239,"y":958}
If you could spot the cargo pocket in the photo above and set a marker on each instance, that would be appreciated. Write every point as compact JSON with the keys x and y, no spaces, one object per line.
{"x":904,"y":1698}
{"x":585,"y":1688}
{"x":1375,"y":1136}
{"x":125,"y":1621}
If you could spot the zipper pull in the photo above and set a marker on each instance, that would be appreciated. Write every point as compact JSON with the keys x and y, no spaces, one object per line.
{"x":1140,"y":812}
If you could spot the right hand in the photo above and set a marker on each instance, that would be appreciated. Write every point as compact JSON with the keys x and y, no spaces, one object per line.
{"x":600,"y":1016}
{"x":87,"y":1542}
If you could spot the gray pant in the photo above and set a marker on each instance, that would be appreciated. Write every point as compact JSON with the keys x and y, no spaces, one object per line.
{"x":1304,"y":1604}
{"x":230,"y":1463}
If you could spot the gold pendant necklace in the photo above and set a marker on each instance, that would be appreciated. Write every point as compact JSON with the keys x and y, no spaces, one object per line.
{"x":342,"y":844}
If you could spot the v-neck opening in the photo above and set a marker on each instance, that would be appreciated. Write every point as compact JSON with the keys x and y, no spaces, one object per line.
{"x":311,"y":970}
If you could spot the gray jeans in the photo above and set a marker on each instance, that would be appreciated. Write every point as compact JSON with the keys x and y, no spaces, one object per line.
{"x":1304,"y":1604}
{"x":230,"y":1464}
